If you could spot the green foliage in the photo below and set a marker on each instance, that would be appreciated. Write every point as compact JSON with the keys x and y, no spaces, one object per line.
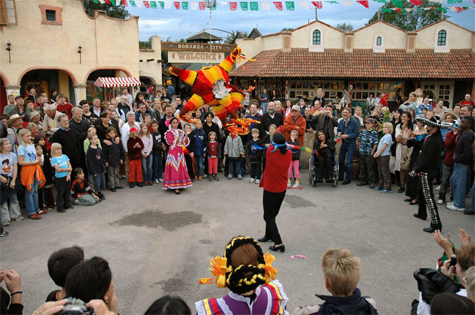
{"x":119,"y":12}
{"x":287,"y":29}
{"x":345,"y":27}
{"x":146,"y":44}
{"x":410,"y":21}
{"x":231,"y":38}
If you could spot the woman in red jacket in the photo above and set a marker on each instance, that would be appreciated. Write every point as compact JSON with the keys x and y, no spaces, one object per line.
{"x":274,"y":182}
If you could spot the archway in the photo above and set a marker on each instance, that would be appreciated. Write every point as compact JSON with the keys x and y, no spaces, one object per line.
{"x":93,"y":91}
{"x":147,"y":82}
{"x":47,"y":80}
{"x":3,"y":94}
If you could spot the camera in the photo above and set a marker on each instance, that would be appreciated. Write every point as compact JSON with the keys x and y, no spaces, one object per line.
{"x":453,"y":261}
{"x":75,"y":306}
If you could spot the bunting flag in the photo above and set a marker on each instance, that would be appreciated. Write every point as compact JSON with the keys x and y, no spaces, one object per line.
{"x":132,"y":3}
{"x":108,"y":1}
{"x":436,"y":1}
{"x":416,"y":2}
{"x":184,"y":5}
{"x":168,"y":4}
{"x":278,"y":5}
{"x":317,"y":4}
{"x":153,"y":4}
{"x":331,"y":2}
{"x":222,"y":4}
{"x":306,"y":6}
{"x":202,"y":5}
{"x":380,"y":1}
{"x":254,"y":6}
{"x":194,"y":6}
{"x":364,"y":3}
{"x":454,"y":1}
{"x":398,"y":3}
{"x":124,"y":2}
{"x":290,"y":5}
{"x":440,"y":9}
{"x":176,"y":4}
{"x":244,"y":6}
{"x":386,"y":10}
{"x":96,"y":1}
{"x":265,"y":5}
{"x":161,"y":4}
{"x":146,"y":4}
{"x":233,"y":6}
{"x":348,"y":3}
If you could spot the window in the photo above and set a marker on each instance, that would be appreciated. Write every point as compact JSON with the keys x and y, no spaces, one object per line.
{"x":8,"y":12}
{"x":442,"y":38}
{"x":50,"y":15}
{"x":317,"y":37}
{"x":379,"y":41}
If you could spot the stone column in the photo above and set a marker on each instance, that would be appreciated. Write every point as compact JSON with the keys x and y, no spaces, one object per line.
{"x":79,"y":93}
{"x":13,"y":89}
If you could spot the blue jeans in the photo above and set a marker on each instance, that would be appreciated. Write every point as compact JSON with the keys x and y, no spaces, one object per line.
{"x":157,"y":166}
{"x":264,"y":107}
{"x":199,"y":165}
{"x":31,"y":198}
{"x":99,"y":181}
{"x":347,"y":151}
{"x":147,"y":170}
{"x":473,"y":196}
{"x":458,"y":183}
{"x":234,"y":165}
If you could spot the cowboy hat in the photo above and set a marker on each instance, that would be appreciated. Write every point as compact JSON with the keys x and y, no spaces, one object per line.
{"x":13,"y":118}
{"x":434,"y":121}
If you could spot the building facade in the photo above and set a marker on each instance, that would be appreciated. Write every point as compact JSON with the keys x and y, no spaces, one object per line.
{"x":438,"y":58}
{"x":56,"y":45}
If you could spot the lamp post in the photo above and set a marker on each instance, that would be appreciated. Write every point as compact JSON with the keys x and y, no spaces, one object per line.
{"x":9,"y":49}
{"x":80,"y":53}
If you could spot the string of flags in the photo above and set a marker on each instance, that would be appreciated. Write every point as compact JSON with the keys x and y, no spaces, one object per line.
{"x":281,"y":5}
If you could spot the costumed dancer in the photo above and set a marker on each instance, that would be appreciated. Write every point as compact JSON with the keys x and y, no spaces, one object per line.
{"x":274,"y":182}
{"x":427,"y":167}
{"x":176,"y":174}
{"x":248,"y":273}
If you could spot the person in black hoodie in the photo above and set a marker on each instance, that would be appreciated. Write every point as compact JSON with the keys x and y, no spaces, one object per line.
{"x":255,"y":156}
{"x":427,"y":167}
{"x":158,"y":148}
{"x":114,"y":158}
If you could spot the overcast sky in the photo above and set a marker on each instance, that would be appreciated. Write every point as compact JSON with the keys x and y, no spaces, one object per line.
{"x":178,"y":24}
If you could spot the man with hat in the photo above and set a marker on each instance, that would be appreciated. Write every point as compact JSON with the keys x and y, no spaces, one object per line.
{"x":295,"y":121}
{"x":427,"y":167}
{"x":19,"y":108}
{"x":15,"y":123}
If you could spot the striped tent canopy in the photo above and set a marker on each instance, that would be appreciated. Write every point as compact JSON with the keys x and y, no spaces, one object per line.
{"x":117,"y":82}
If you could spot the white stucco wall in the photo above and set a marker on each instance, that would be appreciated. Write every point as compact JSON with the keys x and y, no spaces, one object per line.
{"x":332,"y":38}
{"x":392,"y":37}
{"x":458,"y":38}
{"x":152,"y":69}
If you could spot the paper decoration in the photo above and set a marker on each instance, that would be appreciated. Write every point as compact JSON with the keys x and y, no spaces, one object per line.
{"x":398,"y":3}
{"x":386,"y":10}
{"x":222,"y":4}
{"x":454,"y":1}
{"x":233,"y":6}
{"x":416,"y":2}
{"x":436,"y":1}
{"x":176,"y":4}
{"x":290,"y":5}
{"x":278,"y":6}
{"x":306,"y":6}
{"x":184,"y":5}
{"x":108,"y":1}
{"x":168,"y":4}
{"x":348,"y":3}
{"x":442,"y":9}
{"x":124,"y":2}
{"x":202,"y":6}
{"x":333,"y":2}
{"x":265,"y":5}
{"x":132,"y":3}
{"x":153,"y":4}
{"x":146,"y":4}
{"x":254,"y":6}
{"x":194,"y":6}
{"x":317,"y":4}
{"x":244,"y":6}
{"x":161,"y":4}
{"x":364,"y":3}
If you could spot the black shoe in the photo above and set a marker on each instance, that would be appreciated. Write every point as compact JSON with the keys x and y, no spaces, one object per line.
{"x":70,"y":207}
{"x":346,"y":182}
{"x":131,"y":185}
{"x":469,"y":212}
{"x":408,"y":199}
{"x":401,"y":189}
{"x":432,"y":229}
{"x":277,"y":248}
{"x":140,"y":184}
{"x":210,"y":178}
{"x":177,"y":192}
{"x":417,"y":216}
{"x":119,"y":187}
{"x":362,"y":184}
{"x":62,"y":211}
{"x":264,"y":239}
{"x":372,"y":185}
{"x":112,"y":189}
{"x":413,"y":203}
{"x":340,"y":179}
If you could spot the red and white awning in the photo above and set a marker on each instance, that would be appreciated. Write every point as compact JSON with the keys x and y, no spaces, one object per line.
{"x":117,"y":82}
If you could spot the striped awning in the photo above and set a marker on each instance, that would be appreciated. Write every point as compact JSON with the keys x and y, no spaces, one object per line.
{"x":117,"y":82}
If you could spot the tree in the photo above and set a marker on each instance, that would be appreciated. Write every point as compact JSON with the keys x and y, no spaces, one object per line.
{"x":119,"y":12}
{"x":287,"y":29}
{"x":413,"y":20}
{"x":231,"y":38}
{"x":345,"y":27}
{"x":146,"y":44}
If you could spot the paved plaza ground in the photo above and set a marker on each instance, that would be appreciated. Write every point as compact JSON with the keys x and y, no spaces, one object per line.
{"x":159,"y":243}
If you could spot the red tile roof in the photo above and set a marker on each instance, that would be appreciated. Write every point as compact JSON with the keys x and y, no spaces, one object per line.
{"x":360,"y":64}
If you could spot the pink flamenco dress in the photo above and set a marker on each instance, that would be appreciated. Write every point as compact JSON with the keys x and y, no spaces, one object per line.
{"x":176,"y":173}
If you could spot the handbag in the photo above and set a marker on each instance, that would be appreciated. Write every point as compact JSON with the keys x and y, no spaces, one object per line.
{"x":406,"y":159}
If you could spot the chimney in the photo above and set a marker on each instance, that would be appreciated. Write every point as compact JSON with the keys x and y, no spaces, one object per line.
{"x":286,"y":41}
{"x":349,"y":38}
{"x":411,"y":42}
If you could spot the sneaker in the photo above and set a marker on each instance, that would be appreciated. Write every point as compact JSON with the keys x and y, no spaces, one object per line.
{"x":205,"y":175}
{"x":454,"y":208}
{"x":469,"y":212}
{"x":4,"y":234}
{"x":386,"y":191}
{"x":119,"y":187}
{"x":252,"y":180}
{"x":377,"y":188}
{"x":372,"y":185}
{"x":240,"y":177}
{"x":450,"y":203}
{"x":296,"y":185}
{"x":161,"y":180}
{"x":440,"y":201}
{"x":20,"y":218}
{"x":216,"y":177}
{"x":438,"y":188}
{"x":230,"y":176}
{"x":289,"y":184}
{"x":6,"y":223}
{"x":210,"y":178}
{"x":157,"y":181}
{"x":258,"y":181}
{"x":75,"y":202}
{"x":112,"y":189}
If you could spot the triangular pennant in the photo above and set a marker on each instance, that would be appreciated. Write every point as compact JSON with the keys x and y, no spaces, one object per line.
{"x":265,"y":5}
{"x":348,"y":3}
{"x":290,"y":5}
{"x":233,"y":6}
{"x":278,"y":5}
{"x":436,"y":1}
{"x":409,"y":9}
{"x":386,"y":10}
{"x":124,"y":2}
{"x":102,"y":1}
{"x":398,"y":3}
{"x":222,"y":4}
{"x":416,"y":2}
{"x":193,"y":5}
{"x":244,"y":6}
{"x":335,"y":2}
{"x":161,"y":4}
{"x":176,"y":4}
{"x":108,"y":1}
{"x":454,"y":1}
{"x":168,"y":5}
{"x":304,"y":5}
{"x":380,"y":1}
{"x":440,"y":9}
{"x":254,"y":6}
{"x":364,"y":3}
{"x":202,"y":5}
{"x":132,"y":3}
{"x":146,"y":4}
{"x":96,"y":1}
{"x":153,"y":4}
{"x":317,"y":4}
{"x":184,"y":5}
{"x":458,"y":9}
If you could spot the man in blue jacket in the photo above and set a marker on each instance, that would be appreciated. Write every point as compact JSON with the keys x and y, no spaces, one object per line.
{"x":348,"y":130}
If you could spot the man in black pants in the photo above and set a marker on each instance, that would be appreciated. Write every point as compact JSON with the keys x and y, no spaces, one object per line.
{"x":426,"y":167}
